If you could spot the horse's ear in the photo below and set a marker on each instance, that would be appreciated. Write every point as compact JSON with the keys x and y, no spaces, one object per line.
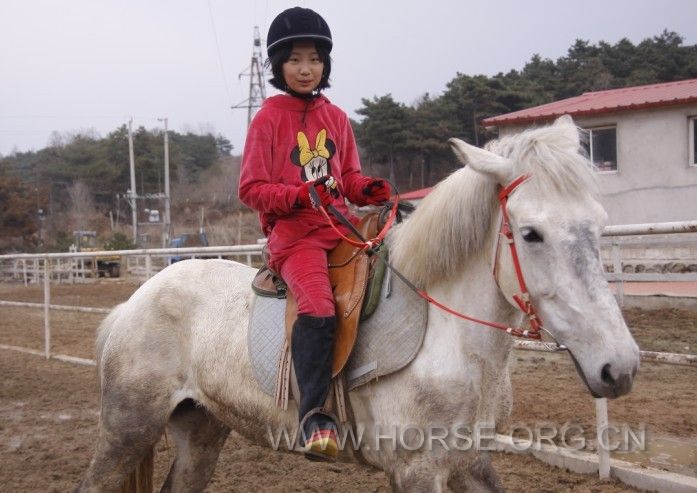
{"x":566,"y":123}
{"x":482,"y":160}
{"x":564,"y":120}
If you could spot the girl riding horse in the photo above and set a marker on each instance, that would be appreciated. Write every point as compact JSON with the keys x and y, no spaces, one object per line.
{"x":296,"y":142}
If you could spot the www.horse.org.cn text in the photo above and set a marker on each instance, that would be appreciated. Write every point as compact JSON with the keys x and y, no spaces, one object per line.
{"x":519,"y":437}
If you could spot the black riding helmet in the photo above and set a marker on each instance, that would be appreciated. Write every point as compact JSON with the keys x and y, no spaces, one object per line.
{"x":296,"y":24}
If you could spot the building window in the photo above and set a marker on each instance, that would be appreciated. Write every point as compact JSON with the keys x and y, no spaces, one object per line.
{"x":693,"y":141}
{"x":602,"y":148}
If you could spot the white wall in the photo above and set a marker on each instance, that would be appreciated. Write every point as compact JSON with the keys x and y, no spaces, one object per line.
{"x":654,"y":181}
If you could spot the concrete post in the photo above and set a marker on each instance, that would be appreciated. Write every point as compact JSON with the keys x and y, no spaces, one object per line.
{"x":603,"y":439}
{"x":148,"y":266}
{"x":617,"y":267}
{"x":47,"y":303}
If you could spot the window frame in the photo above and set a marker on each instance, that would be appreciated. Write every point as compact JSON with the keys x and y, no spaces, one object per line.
{"x":590,"y":131}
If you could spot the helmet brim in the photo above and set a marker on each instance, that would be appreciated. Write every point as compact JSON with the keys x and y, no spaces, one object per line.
{"x":295,"y":37}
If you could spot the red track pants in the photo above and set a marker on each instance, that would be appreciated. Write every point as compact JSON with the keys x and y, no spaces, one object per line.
{"x":307,"y":275}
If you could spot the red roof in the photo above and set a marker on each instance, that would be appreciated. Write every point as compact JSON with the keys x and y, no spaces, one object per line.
{"x":595,"y":103}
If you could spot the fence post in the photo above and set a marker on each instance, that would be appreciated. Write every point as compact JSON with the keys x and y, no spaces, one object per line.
{"x":148,"y":266}
{"x":603,"y":438}
{"x":24,"y":272}
{"x":47,"y":302}
{"x":617,"y":268}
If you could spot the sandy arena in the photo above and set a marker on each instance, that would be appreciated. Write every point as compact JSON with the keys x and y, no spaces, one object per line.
{"x":48,"y":409}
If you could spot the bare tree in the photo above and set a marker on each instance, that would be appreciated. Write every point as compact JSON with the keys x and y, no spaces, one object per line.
{"x":82,"y":212}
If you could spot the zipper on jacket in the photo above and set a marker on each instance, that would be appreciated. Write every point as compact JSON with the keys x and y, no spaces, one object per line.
{"x":307,"y":105}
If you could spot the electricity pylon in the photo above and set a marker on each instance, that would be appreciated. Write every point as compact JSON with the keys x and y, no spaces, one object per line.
{"x":255,"y":72}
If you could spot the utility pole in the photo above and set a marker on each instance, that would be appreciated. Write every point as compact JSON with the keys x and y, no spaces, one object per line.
{"x":168,"y":222}
{"x":200,"y":225}
{"x":257,"y":87}
{"x":132,"y":195}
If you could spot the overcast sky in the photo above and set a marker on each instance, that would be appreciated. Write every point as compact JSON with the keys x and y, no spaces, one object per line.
{"x":70,"y":65}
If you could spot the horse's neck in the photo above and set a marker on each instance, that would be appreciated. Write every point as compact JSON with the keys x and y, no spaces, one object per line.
{"x":456,"y":268}
{"x":473,"y":291}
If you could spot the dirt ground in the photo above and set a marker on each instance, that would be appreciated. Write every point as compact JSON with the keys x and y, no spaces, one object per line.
{"x":48,"y":409}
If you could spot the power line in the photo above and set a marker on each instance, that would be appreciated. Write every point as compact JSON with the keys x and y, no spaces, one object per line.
{"x":217,"y":48}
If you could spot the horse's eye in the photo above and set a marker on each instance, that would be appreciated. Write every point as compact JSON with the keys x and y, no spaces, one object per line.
{"x":531,"y":236}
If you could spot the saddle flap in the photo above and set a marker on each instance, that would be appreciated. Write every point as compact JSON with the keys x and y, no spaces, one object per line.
{"x":349,"y":283}
{"x":349,"y":268}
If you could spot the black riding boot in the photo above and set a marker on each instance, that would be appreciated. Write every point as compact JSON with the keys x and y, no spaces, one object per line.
{"x":312,"y":345}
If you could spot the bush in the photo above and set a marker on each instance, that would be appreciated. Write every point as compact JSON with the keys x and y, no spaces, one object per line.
{"x":61,"y":242}
{"x":118,"y":241}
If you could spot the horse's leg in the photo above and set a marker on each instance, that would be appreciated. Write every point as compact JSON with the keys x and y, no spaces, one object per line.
{"x":504,"y":402}
{"x":418,"y":474}
{"x":130,"y":425}
{"x":199,"y":437}
{"x":476,"y":474}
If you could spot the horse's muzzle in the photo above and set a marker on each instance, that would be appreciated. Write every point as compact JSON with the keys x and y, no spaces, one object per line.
{"x":610,"y":382}
{"x":616,"y":383}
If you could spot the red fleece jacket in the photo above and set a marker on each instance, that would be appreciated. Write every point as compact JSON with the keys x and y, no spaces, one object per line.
{"x":291,"y":141}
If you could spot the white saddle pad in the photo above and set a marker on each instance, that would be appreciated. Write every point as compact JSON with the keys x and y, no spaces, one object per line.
{"x":386,"y":342}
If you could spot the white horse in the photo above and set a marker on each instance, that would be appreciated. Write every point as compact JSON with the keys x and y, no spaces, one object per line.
{"x":175,"y":354}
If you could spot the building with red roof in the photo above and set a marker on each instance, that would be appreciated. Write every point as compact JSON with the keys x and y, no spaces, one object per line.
{"x":642,"y":141}
{"x":601,"y":102}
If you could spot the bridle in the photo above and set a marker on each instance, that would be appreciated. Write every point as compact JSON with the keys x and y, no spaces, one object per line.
{"x":521,"y":298}
{"x":505,"y":236}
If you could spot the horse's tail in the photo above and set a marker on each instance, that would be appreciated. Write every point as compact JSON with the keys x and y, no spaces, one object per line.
{"x":140,"y":480}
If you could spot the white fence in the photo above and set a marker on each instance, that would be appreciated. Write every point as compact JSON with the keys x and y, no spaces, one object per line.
{"x":81,"y":266}
{"x":50,"y":266}
{"x":668,"y":245}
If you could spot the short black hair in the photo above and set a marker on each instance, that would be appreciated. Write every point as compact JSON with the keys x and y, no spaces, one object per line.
{"x":282,"y":54}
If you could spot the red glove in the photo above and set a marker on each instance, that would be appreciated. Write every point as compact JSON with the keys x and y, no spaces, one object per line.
{"x":326,"y":191}
{"x":376,"y":191}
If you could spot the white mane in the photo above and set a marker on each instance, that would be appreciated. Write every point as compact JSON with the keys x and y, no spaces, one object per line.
{"x":553,"y":156}
{"x":449,"y":225}
{"x":452,"y":222}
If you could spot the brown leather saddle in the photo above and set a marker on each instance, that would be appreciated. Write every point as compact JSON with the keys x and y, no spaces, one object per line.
{"x":349,"y":273}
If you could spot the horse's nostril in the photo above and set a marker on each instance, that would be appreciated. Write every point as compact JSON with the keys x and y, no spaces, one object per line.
{"x":606,"y":376}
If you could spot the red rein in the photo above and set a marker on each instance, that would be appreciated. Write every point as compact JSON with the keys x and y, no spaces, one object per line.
{"x":522,"y":298}
{"x":368,"y":244}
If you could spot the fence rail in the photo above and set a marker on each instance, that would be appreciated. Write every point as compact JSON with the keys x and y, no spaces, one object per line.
{"x":651,"y":228}
{"x":65,"y":308}
{"x":139,"y":263}
{"x":194,"y":251}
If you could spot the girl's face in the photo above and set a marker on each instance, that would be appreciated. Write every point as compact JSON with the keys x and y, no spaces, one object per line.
{"x":303,"y":70}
